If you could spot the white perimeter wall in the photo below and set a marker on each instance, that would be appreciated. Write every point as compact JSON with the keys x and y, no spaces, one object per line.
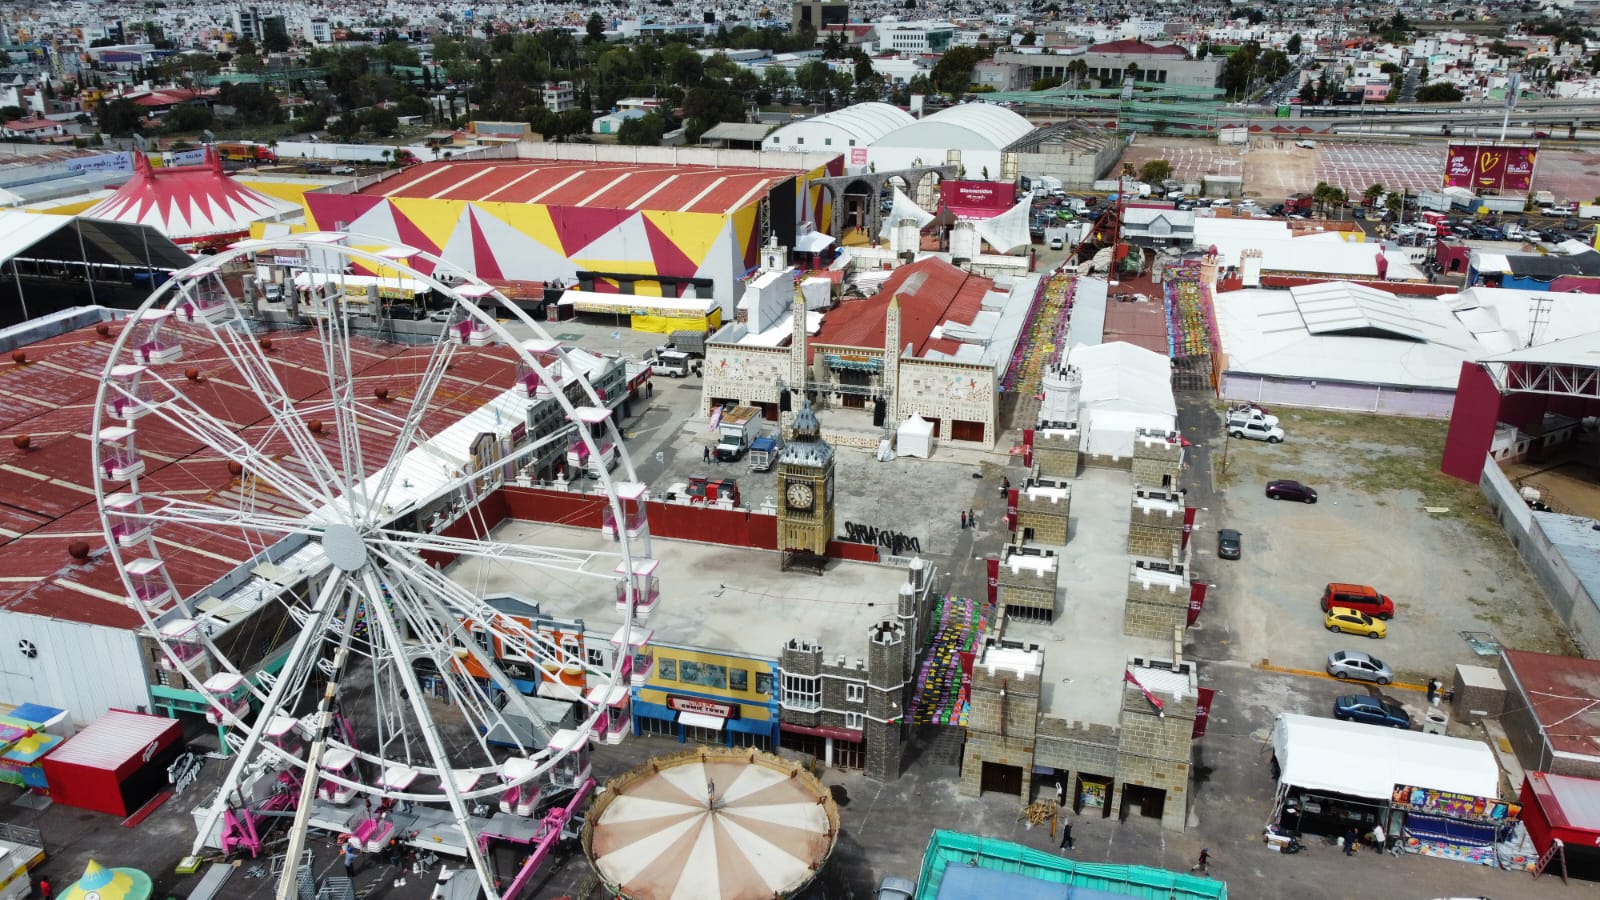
{"x":83,"y":669}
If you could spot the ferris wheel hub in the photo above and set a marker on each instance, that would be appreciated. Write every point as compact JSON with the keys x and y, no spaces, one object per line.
{"x":344,"y":547}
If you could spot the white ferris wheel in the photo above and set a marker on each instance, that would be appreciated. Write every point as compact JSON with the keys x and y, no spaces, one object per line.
{"x":371,"y":679}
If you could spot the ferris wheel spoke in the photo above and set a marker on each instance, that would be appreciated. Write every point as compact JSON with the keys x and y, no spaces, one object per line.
{"x":251,"y":364}
{"x":439,"y":360}
{"x":300,"y":658}
{"x":439,"y":606}
{"x":167,"y":510}
{"x":223,"y":437}
{"x":574,"y":562}
{"x":427,"y":726}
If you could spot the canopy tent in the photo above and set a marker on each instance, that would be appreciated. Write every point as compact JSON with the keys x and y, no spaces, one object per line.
{"x":101,"y":883}
{"x":80,"y":239}
{"x":914,"y":437}
{"x":904,"y":208}
{"x":1009,"y":230}
{"x":192,"y":205}
{"x":1125,"y":388}
{"x":1357,"y":760}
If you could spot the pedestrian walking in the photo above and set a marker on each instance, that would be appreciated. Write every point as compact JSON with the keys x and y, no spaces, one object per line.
{"x":350,"y":858}
{"x":972,"y":518}
{"x":705,"y":454}
{"x":1067,"y":843}
{"x":45,"y":890}
{"x":1203,"y":864}
{"x":1005,"y":486}
{"x":963,"y":520}
{"x":1350,"y":842}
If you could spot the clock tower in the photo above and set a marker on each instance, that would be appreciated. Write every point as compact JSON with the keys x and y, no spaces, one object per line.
{"x":805,"y":490}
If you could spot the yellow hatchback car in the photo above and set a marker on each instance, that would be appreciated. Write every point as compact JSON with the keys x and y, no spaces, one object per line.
{"x":1344,"y":619}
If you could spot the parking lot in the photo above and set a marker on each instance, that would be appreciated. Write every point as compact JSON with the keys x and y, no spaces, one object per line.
{"x":1385,"y":517}
{"x":1354,"y":165}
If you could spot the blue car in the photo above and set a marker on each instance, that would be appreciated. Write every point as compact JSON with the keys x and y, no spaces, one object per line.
{"x":1372,"y":711}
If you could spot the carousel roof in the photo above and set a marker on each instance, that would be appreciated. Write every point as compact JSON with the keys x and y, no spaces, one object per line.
{"x":712,"y":824}
{"x":188,"y":203}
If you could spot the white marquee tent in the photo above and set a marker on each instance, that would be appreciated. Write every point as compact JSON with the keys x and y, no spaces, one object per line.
{"x":1125,"y":389}
{"x":1322,"y":755}
{"x":915,"y":438}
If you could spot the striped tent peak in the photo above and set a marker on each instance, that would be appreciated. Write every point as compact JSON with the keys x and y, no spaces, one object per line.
{"x":188,"y":202}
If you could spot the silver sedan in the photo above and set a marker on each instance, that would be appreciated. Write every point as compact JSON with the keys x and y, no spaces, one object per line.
{"x":1348,"y":664}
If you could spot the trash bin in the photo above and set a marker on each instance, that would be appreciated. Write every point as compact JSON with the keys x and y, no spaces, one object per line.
{"x":1435,"y":721}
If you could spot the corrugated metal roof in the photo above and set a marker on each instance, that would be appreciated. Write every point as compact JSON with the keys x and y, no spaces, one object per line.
{"x":113,"y":739}
{"x":1576,"y":801}
{"x":1560,"y":690}
{"x":1332,"y":307}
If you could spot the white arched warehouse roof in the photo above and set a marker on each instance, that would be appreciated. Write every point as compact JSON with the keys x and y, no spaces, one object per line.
{"x":967,"y":126}
{"x":865,"y":123}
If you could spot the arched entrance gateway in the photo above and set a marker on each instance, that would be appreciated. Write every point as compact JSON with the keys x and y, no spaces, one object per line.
{"x":856,"y":197}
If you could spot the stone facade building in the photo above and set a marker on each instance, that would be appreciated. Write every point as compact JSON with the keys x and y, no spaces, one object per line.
{"x":925,"y":345}
{"x":1027,"y":582}
{"x":1157,"y":458}
{"x":1158,"y":599}
{"x":1155,"y":744}
{"x":855,"y":706}
{"x":1003,"y":720}
{"x":1156,"y":523}
{"x":1044,"y":508}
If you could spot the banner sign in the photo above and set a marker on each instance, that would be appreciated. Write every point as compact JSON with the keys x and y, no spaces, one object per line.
{"x":702,"y":706}
{"x":104,"y":162}
{"x":1161,"y":708}
{"x":858,"y":156}
{"x":1197,"y":599}
{"x":1202,"y":711}
{"x":993,"y":566}
{"x":977,"y":198}
{"x":1490,"y":167}
{"x":1455,"y":806}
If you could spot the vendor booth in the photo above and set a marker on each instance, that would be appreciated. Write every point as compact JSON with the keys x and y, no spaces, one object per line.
{"x":1337,"y":776}
{"x":1562,"y":815}
{"x":116,"y":764}
{"x":915,"y":438}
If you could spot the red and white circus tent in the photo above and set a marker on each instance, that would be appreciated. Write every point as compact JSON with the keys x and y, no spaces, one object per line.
{"x":195,"y":206}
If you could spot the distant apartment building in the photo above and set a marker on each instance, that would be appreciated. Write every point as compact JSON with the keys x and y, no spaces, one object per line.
{"x":916,"y":37}
{"x":559,"y":96}
{"x":818,"y":15}
{"x":247,"y":23}
{"x":318,"y":30}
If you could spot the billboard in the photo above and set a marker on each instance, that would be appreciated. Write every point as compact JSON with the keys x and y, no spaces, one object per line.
{"x":977,"y":199}
{"x":1490,"y":167}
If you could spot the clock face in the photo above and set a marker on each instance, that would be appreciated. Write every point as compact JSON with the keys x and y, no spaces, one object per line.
{"x":799,"y":495}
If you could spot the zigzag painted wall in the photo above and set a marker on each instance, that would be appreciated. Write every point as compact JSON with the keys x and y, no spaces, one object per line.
{"x":534,"y":242}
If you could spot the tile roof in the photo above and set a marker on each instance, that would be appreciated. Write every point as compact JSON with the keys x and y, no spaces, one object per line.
{"x":931,"y":292}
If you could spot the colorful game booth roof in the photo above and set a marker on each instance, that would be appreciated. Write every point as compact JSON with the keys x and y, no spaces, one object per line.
{"x":191,"y":205}
{"x":101,"y":883}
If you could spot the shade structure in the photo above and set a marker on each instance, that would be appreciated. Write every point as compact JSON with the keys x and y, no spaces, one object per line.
{"x":711,"y":824}
{"x":191,"y":205}
{"x":101,"y":883}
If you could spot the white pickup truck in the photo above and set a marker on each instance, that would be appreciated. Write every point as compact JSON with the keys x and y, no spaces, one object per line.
{"x":1256,"y":431}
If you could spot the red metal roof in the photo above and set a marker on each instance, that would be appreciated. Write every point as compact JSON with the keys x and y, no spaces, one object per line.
{"x":48,"y":488}
{"x":656,"y":187}
{"x":1560,"y":692}
{"x":114,"y":739}
{"x":931,"y":292}
{"x":1568,"y":803}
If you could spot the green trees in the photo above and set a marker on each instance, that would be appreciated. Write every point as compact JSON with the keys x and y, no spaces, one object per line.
{"x":1369,"y":197}
{"x":1294,"y":44}
{"x":1439,"y":92}
{"x":1155,"y":171}
{"x":952,"y":74}
{"x":644,"y":131}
